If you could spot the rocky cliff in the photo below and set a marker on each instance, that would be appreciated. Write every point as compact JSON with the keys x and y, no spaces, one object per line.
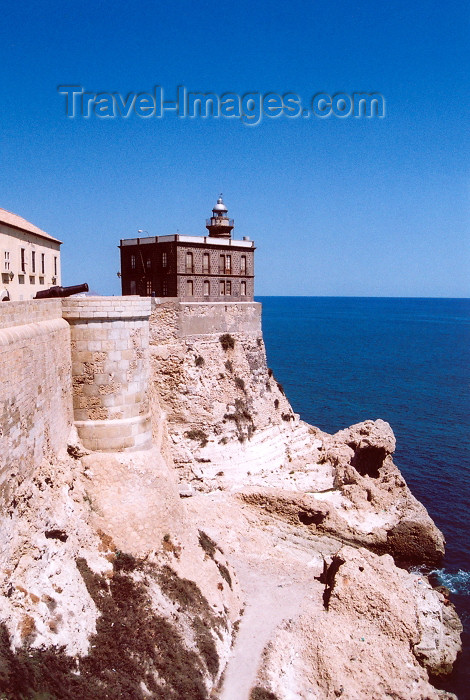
{"x":246,"y":555}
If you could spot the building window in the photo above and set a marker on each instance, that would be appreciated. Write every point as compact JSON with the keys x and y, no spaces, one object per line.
{"x":31,"y":279}
{"x":228,"y":288}
{"x":207,"y":288}
{"x":189,"y":262}
{"x":164,"y":259}
{"x":21,"y":279}
{"x":6,"y":261}
{"x":41,"y":280}
{"x":165,"y":288}
{"x":222,"y":264}
{"x":189,"y":288}
{"x":23,"y":261}
{"x":243,"y":265}
{"x":149,"y":263}
{"x":228,"y":264}
{"x":55,"y":266}
{"x":222,"y":288}
{"x":243,"y":289}
{"x":132,"y":262}
{"x":43,"y":263}
{"x":148,"y":287}
{"x":33,"y":261}
{"x":133,"y":287}
{"x":206,"y":263}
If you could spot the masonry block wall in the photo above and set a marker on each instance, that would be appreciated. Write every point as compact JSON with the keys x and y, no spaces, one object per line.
{"x":87,"y":361}
{"x":110,"y":371}
{"x":35,"y":387}
{"x":172,"y":319}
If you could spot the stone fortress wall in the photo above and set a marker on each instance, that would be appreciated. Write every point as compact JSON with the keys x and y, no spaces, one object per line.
{"x":172,"y":319}
{"x":85,"y":360}
{"x":35,"y":387}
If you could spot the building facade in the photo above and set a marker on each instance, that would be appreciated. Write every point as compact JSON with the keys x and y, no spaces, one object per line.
{"x":192,"y":268}
{"x":29,"y":258}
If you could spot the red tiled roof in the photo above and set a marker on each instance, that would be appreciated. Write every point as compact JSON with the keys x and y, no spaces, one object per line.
{"x":6,"y":217}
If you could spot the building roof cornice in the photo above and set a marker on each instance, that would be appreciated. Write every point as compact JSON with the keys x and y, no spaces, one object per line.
{"x":195,"y":240}
{"x":15,"y":221}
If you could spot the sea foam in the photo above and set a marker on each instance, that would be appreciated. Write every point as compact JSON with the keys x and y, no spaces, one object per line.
{"x":457,"y":582}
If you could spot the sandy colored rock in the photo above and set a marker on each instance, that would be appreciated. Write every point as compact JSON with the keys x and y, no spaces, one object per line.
{"x":362,"y":644}
{"x":80,"y":534}
{"x":245,"y":553}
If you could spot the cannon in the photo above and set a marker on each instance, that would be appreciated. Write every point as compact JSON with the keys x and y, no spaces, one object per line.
{"x":54,"y":292}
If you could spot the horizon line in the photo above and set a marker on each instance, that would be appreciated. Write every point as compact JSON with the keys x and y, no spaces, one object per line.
{"x":352,"y":296}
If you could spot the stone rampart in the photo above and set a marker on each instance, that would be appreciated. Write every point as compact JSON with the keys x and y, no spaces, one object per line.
{"x":172,"y":319}
{"x":20,"y":313}
{"x":110,"y":371}
{"x":86,"y":361}
{"x":35,"y":387}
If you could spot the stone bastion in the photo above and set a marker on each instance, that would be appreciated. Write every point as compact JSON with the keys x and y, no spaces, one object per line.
{"x":85,"y":361}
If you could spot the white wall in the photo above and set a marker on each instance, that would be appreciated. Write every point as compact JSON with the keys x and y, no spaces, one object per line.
{"x":24,"y":285}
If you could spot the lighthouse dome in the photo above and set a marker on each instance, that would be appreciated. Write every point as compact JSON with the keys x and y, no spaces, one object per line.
{"x":220,"y":206}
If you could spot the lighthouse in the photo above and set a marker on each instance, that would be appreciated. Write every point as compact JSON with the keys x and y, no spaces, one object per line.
{"x":219,"y":225}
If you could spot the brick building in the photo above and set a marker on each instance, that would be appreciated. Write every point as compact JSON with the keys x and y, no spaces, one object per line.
{"x":192,"y":268}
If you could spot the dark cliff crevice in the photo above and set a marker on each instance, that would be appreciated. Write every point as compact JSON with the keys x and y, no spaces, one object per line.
{"x":328,"y":577}
{"x":368,"y":460}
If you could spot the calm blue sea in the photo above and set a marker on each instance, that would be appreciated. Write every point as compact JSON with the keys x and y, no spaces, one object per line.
{"x":343,"y":360}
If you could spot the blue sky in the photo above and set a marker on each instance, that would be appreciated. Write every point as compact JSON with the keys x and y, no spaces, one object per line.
{"x":362,"y":207}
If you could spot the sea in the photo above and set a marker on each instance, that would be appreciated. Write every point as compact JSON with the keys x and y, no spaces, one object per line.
{"x":342,"y":360}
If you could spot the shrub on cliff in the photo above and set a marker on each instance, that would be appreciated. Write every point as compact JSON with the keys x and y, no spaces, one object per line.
{"x":242,"y":419}
{"x":227,"y":341}
{"x":133,"y":645}
{"x":197,"y":434}
{"x":240,"y":383}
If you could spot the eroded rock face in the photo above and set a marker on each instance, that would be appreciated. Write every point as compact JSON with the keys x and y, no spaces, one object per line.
{"x":324,"y":489}
{"x":367,"y":516}
{"x":367,"y":640}
{"x":366,"y":475}
{"x":320,"y":616}
{"x":231,"y":426}
{"x":223,"y":405}
{"x":108,"y":589}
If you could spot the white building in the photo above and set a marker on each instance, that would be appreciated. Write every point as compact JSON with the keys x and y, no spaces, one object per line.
{"x":29,"y":258}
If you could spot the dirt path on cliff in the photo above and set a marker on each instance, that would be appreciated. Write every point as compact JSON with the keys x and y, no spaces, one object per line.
{"x":270,"y":599}
{"x":277,"y":565}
